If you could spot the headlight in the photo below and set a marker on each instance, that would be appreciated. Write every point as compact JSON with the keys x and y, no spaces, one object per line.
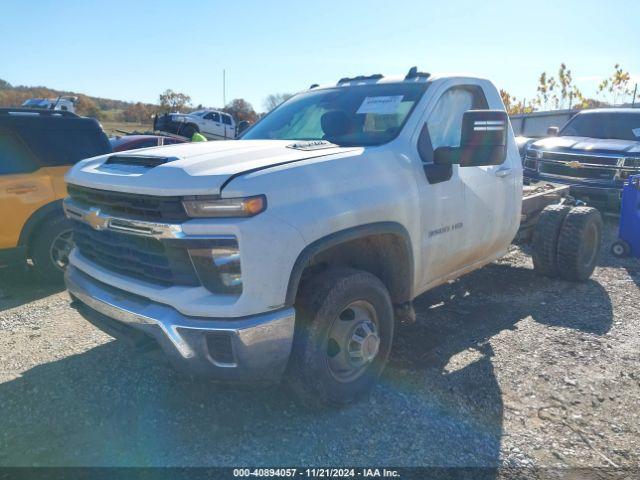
{"x":225,"y":207}
{"x":533,"y":153}
{"x":218,"y":266}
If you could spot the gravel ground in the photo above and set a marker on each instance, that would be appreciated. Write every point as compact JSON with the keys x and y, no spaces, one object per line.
{"x":502,"y":368}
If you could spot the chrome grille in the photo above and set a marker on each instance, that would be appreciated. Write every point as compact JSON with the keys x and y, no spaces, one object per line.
{"x":144,"y":258}
{"x":130,"y":205}
{"x":579,"y":166}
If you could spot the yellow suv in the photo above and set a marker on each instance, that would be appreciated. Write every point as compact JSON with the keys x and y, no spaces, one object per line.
{"x":37,"y":147}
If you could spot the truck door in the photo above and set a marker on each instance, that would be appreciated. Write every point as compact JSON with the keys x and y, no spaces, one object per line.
{"x":467,"y":212}
{"x":24,"y":187}
{"x":442,"y":193}
{"x":491,"y":203}
{"x":213,"y":125}
{"x":229,"y":126}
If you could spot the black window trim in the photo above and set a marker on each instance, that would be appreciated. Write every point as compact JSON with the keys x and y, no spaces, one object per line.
{"x":442,"y":173}
{"x":36,"y":160}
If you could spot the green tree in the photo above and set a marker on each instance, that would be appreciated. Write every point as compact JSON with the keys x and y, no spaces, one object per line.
{"x":173,"y":101}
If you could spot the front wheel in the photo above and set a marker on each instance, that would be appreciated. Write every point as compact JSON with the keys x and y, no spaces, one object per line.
{"x":343,"y":337}
{"x":50,"y":248}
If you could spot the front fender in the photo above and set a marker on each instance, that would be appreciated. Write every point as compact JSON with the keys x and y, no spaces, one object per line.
{"x":342,"y":236}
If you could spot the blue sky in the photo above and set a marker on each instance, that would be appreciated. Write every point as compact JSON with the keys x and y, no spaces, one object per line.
{"x":133,"y":50}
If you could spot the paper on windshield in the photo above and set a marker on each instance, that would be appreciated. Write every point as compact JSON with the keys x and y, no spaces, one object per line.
{"x":381,"y":105}
{"x":636,"y":132}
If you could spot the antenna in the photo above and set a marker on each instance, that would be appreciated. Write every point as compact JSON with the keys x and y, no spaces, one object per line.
{"x":224,"y":88}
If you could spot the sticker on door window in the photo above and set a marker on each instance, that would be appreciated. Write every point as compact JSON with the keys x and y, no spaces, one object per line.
{"x":381,"y":105}
{"x":636,"y":132}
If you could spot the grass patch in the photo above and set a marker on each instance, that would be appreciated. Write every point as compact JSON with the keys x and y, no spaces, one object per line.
{"x":116,"y":128}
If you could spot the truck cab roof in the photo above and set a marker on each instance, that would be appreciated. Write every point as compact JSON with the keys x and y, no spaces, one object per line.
{"x":413,"y":76}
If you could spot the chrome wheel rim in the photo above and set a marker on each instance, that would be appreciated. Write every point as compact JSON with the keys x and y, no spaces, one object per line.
{"x":61,"y":248}
{"x":353,"y":341}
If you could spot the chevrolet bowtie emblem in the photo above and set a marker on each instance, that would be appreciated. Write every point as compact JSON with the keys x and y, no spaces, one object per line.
{"x":573,"y":164}
{"x":95,"y":220}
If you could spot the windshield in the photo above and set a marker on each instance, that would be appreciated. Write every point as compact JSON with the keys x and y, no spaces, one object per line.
{"x":359,"y":115}
{"x":35,"y":102}
{"x":199,"y":113}
{"x":617,"y":125}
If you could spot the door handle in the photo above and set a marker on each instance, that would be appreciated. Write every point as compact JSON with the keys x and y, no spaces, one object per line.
{"x":503,"y":172}
{"x":22,"y":189}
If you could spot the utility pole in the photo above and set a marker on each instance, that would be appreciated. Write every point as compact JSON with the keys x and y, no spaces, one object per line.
{"x":635,"y":90}
{"x":224,"y":88}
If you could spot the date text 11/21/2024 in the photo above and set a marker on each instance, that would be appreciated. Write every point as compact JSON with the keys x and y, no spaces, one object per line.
{"x":317,"y":472}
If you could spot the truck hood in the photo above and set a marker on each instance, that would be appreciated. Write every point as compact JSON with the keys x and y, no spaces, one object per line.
{"x":588,"y":145}
{"x":192,"y":168}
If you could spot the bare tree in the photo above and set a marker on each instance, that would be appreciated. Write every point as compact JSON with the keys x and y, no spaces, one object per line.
{"x":275,"y":99}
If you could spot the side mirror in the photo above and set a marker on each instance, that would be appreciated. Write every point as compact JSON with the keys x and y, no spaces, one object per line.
{"x":553,"y":131}
{"x":483,"y":140}
{"x":242,"y":126}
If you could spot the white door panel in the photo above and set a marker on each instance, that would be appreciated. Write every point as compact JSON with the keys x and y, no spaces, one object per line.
{"x":441,"y":226}
{"x":213,"y":125}
{"x":489,"y":201}
{"x":468,"y":217}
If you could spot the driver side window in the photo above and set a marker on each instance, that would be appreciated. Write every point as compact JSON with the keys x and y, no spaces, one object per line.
{"x":443,"y":128}
{"x":445,"y":122}
{"x":214,"y":116}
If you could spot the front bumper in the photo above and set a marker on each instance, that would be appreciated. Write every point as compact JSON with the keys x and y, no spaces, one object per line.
{"x":247,"y":349}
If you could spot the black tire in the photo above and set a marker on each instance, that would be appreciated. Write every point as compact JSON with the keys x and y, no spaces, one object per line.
{"x":45,"y":240}
{"x":324,"y":300}
{"x":188,"y":131}
{"x":620,"y":249}
{"x":579,"y":243}
{"x":545,"y":239}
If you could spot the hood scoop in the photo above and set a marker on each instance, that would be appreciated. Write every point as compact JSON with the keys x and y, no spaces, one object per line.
{"x":147,"y":161}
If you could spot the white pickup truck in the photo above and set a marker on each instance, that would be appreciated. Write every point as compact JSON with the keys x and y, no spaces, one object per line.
{"x":296,"y":250}
{"x":213,"y":124}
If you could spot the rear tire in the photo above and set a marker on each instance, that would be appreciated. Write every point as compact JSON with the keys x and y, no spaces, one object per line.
{"x":344,"y":330}
{"x":579,"y":243}
{"x":50,"y":248}
{"x":188,"y":131}
{"x":545,"y":239}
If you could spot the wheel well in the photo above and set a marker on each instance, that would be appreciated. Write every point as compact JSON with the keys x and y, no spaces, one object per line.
{"x":37,"y":218}
{"x":387,"y":255}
